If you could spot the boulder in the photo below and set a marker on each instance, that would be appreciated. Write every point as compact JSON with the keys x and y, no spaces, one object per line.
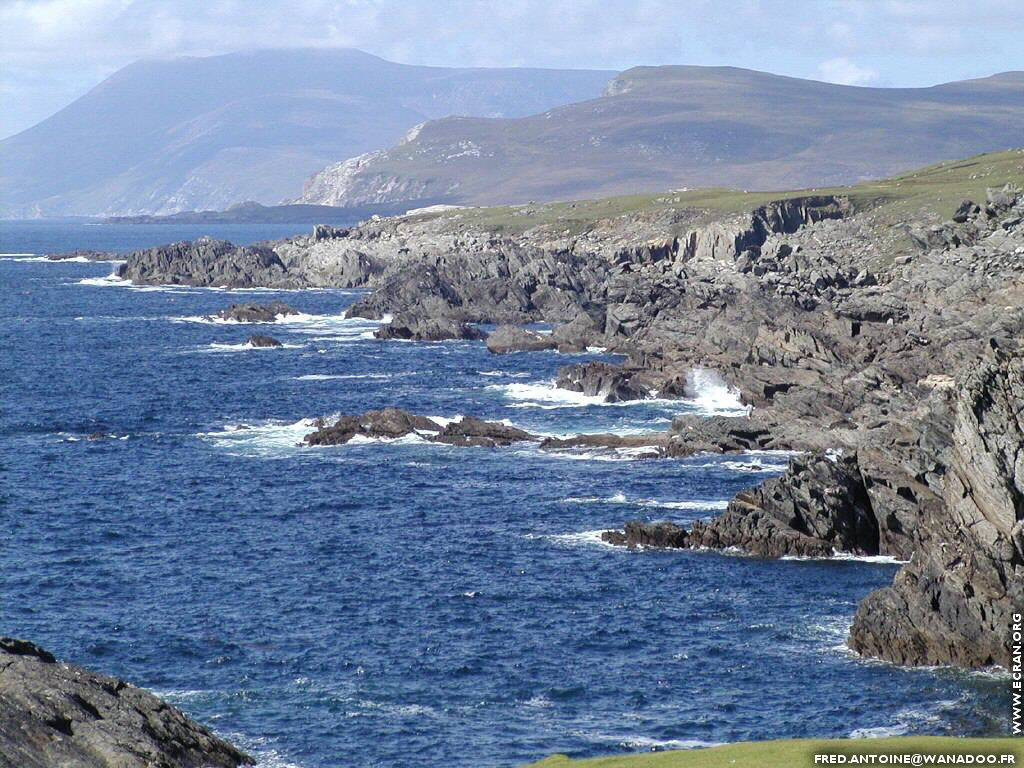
{"x":428,"y":329}
{"x":208,"y":262}
{"x":614,"y":383}
{"x":576,"y":335}
{"x":510,"y":338}
{"x":256,"y":313}
{"x":470,"y":431}
{"x":259,"y":340}
{"x":54,"y":714}
{"x":638,"y":534}
{"x":391,"y":423}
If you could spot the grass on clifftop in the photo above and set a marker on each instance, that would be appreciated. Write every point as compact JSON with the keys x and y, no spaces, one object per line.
{"x":936,"y":190}
{"x":796,"y":753}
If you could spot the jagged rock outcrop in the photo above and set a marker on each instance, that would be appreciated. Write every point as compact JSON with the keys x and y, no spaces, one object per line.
{"x":428,"y":329}
{"x":55,"y":714}
{"x":953,"y":603}
{"x":208,"y":262}
{"x":614,"y":383}
{"x":819,"y":506}
{"x":393,"y":423}
{"x":256,"y":313}
{"x":506,"y":339}
{"x":638,"y":534}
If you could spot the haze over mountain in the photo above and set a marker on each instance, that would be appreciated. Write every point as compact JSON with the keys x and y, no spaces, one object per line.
{"x":162,"y":136}
{"x":658,"y":128}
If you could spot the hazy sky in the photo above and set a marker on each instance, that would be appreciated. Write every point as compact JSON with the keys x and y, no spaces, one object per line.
{"x":52,"y":51}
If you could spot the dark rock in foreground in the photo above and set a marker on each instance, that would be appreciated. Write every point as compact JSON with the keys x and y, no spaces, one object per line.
{"x":391,"y":423}
{"x":259,"y":340}
{"x":257,"y":313}
{"x":428,"y":329}
{"x":54,"y":714}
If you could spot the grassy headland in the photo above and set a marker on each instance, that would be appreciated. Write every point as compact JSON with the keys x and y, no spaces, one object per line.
{"x":935,"y":190}
{"x":797,"y":753}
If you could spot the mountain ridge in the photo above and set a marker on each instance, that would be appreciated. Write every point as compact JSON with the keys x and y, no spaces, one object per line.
{"x":658,"y":128}
{"x":166,"y":135}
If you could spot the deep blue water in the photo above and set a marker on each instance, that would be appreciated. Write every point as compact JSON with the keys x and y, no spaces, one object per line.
{"x":391,"y":604}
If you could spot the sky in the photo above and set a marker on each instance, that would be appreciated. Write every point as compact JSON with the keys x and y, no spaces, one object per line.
{"x":53,"y":51}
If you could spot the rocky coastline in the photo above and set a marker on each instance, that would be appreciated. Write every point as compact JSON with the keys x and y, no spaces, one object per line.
{"x":57,"y":714}
{"x":884,"y":347}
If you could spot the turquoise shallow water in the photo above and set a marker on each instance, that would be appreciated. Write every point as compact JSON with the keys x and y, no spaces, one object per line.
{"x":357,"y":605}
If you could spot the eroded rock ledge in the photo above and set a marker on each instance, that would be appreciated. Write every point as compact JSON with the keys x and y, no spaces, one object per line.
{"x":54,"y":714}
{"x":818,"y":507}
{"x":393,"y":423}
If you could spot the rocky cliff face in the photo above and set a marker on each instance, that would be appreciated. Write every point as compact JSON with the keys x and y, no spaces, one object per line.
{"x":54,"y":714}
{"x":953,"y":603}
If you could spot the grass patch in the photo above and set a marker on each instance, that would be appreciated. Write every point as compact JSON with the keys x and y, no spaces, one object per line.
{"x":796,"y":753}
{"x":935,"y":190}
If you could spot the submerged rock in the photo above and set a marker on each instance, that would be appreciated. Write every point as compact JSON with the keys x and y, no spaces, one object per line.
{"x":392,"y":423}
{"x":256,"y":313}
{"x":54,"y":714}
{"x":259,"y":340}
{"x":80,"y":254}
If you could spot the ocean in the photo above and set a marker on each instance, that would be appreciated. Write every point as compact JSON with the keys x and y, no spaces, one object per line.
{"x":402,"y":603}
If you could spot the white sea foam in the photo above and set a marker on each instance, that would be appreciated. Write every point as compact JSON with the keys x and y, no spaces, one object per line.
{"x":264,"y":439}
{"x":15,"y":256}
{"x":880,"y":732}
{"x":113,"y":281}
{"x":638,"y":741}
{"x":712,"y":397}
{"x":326,"y":327}
{"x":657,"y":745}
{"x":620,"y":498}
{"x":619,"y":454}
{"x":413,"y":438}
{"x":508,"y":374}
{"x":261,"y":748}
{"x":341,"y":376}
{"x":850,"y":556}
{"x":243,"y":347}
{"x":579,"y":538}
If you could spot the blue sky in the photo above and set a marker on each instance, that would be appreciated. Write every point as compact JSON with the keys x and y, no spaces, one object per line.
{"x":55,"y":50}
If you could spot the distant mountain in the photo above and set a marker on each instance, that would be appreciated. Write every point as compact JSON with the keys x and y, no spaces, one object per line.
{"x":159,"y":137}
{"x":658,"y":128}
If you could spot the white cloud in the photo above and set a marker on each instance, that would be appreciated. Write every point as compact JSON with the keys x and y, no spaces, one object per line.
{"x":846,"y":72}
